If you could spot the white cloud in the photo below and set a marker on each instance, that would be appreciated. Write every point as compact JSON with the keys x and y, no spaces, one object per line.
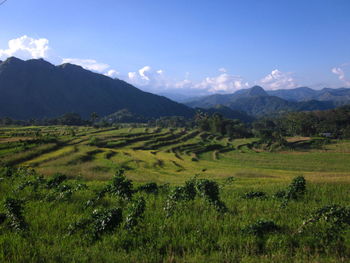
{"x":112,"y":73}
{"x":155,"y":80}
{"x":278,"y":80}
{"x":147,"y":78}
{"x":26,"y":48}
{"x":224,"y":82}
{"x":339,"y":71}
{"x":89,"y":64}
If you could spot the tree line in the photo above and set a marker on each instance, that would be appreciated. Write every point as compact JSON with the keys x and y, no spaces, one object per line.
{"x":333,"y":123}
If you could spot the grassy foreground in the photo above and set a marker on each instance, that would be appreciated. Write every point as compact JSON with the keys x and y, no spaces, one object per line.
{"x":238,"y":215}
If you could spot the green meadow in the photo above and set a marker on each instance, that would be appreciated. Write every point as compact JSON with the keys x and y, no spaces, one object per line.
{"x":140,"y":194}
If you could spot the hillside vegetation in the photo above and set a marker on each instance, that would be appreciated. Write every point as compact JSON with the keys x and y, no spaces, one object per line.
{"x":37,"y":89}
{"x":141,"y":194}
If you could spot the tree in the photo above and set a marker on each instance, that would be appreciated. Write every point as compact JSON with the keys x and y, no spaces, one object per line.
{"x":93,"y":117}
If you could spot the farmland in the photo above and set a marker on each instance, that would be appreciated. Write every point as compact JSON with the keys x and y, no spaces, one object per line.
{"x":241,"y":219}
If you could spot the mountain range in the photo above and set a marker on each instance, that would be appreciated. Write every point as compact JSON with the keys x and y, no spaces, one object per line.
{"x":258,"y":102}
{"x":37,"y":89}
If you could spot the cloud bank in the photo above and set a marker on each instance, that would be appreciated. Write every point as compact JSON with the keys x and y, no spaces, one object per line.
{"x":278,"y":80}
{"x":26,"y":48}
{"x":155,"y":80}
{"x":339,"y":71}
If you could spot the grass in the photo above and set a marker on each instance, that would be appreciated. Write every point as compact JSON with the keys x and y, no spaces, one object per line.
{"x":196,"y":232}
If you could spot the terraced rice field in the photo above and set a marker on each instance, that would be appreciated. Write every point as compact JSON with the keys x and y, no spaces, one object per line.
{"x":194,"y":197}
{"x":164,"y":155}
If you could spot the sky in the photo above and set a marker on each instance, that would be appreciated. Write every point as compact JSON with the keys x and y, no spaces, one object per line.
{"x":187,"y":47}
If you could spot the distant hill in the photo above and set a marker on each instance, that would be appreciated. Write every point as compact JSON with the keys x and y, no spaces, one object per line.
{"x":226,"y":99}
{"x":228,"y":113}
{"x":339,"y":96}
{"x":257,"y":102}
{"x":37,"y":89}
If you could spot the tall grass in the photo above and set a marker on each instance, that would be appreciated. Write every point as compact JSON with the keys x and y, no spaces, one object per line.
{"x":195,"y":232}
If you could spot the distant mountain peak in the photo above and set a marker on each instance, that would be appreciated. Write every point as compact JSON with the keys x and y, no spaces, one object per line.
{"x":70,"y":66}
{"x":256,"y":91}
{"x":12,"y":60}
{"x":37,"y":89}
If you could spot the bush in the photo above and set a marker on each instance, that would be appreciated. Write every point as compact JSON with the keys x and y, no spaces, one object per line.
{"x":334,"y":218}
{"x":280,"y":194}
{"x":99,"y":223}
{"x":149,"y":188}
{"x":261,"y":228}
{"x":14,"y":214}
{"x":230,"y":180}
{"x":2,"y":218}
{"x":119,"y":186}
{"x":56,"y":180}
{"x":296,"y":189}
{"x":104,"y":221}
{"x":135,"y":213}
{"x":6,"y":171}
{"x":35,"y":183}
{"x":253,"y":195}
{"x":210,"y":191}
{"x":94,"y":141}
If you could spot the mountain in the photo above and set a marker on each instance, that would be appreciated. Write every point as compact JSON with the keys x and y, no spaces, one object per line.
{"x":272,"y":105}
{"x":257,"y":102}
{"x":297,"y":94}
{"x":339,"y":96}
{"x":37,"y":89}
{"x":226,"y":99}
{"x":228,"y":113}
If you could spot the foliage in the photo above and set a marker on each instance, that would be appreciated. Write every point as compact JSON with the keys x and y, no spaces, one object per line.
{"x":207,"y":189}
{"x":261,"y":228}
{"x":210,"y":191}
{"x":178,"y":194}
{"x":296,"y":189}
{"x":218,"y":125}
{"x":100,"y":222}
{"x":150,"y":188}
{"x":7,"y":171}
{"x":14,"y":214}
{"x":36,"y":182}
{"x":2,"y":218}
{"x":94,"y":141}
{"x":56,"y":180}
{"x":135,"y":213}
{"x":336,"y":219}
{"x":255,"y":194}
{"x":119,"y":186}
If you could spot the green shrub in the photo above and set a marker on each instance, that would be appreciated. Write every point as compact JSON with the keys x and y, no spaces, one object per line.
{"x":94,"y":141}
{"x":56,"y":180}
{"x":331,"y":222}
{"x":100,"y":222}
{"x":14,"y":214}
{"x":135,"y":213}
{"x":149,"y":188}
{"x":210,"y":191}
{"x":296,"y":189}
{"x":261,"y":228}
{"x":254,"y":195}
{"x":119,"y":186}
{"x":2,"y":218}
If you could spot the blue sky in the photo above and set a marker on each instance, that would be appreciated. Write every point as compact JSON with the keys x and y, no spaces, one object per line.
{"x":190,"y":47}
